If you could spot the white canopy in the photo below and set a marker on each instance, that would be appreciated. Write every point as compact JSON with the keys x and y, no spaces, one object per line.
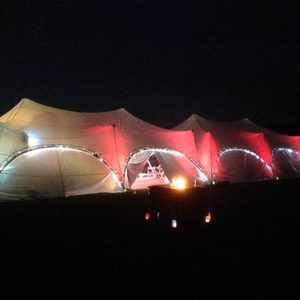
{"x":56,"y":171}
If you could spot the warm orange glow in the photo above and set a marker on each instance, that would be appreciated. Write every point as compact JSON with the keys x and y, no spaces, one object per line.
{"x":207,"y":218}
{"x":178,"y":183}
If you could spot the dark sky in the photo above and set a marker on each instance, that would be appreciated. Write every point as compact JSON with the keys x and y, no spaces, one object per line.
{"x":162,"y":60}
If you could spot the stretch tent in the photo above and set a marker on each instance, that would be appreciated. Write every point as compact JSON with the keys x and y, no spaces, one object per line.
{"x":285,"y":149}
{"x":243,"y":151}
{"x":113,"y":135}
{"x":125,"y":150}
{"x":285,"y":152}
{"x":231,"y":151}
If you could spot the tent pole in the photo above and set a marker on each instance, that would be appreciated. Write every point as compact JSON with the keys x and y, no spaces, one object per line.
{"x":61,"y":174}
{"x":116,"y":148}
{"x":210,"y":157}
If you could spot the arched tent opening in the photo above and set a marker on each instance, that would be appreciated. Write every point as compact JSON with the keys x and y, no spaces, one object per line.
{"x":242,"y":165}
{"x":286,"y":162}
{"x":114,"y":133}
{"x":154,"y":166}
{"x":51,"y":171}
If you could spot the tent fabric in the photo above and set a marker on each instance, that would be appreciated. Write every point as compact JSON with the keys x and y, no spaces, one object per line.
{"x":179,"y":165}
{"x":113,"y":134}
{"x":135,"y":166}
{"x":285,"y":153}
{"x":228,"y":150}
{"x":173,"y":163}
{"x":48,"y":125}
{"x":56,"y":172}
{"x":276,"y":154}
{"x":236,"y":151}
{"x":285,"y":150}
{"x":286,"y":163}
{"x":10,"y":141}
{"x":126,"y":133}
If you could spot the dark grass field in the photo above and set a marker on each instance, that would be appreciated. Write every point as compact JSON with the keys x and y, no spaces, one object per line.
{"x":248,"y":251}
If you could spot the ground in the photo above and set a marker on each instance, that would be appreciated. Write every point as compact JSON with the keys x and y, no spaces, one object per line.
{"x":249,"y":250}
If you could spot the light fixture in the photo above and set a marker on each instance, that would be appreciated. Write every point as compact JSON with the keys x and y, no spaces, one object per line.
{"x":157,"y":215}
{"x":178,"y":183}
{"x":32,"y":141}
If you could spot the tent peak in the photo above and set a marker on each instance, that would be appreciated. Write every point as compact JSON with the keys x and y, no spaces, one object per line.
{"x":26,"y":100}
{"x":196,"y":116}
{"x":124,"y":110}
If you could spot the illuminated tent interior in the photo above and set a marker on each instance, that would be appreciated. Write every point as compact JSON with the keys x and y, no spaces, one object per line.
{"x":285,"y":153}
{"x":113,"y":135}
{"x":74,"y":153}
{"x":56,"y":171}
{"x":149,"y":167}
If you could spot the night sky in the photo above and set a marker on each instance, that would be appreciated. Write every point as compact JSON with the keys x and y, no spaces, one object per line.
{"x":161,"y":60}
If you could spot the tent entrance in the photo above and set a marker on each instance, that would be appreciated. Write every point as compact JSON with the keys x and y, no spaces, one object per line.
{"x":152,"y":174}
{"x":155,"y":166}
{"x":286,"y":163}
{"x":243,"y":165}
{"x":54,"y":171}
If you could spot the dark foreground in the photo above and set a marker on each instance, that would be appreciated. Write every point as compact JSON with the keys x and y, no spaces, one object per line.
{"x":104,"y":245}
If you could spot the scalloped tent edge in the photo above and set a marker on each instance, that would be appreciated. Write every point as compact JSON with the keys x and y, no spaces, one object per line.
{"x":113,"y":134}
{"x":219,"y":136}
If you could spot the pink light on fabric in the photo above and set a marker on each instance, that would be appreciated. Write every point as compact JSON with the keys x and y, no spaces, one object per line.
{"x":258,"y":144}
{"x":208,"y":150}
{"x":293,"y":142}
{"x":102,"y":139}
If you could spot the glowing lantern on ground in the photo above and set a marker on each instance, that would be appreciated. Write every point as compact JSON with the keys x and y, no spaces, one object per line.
{"x":174,"y":223}
{"x":207,"y":218}
{"x":147,"y":216}
{"x":178,"y":183}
